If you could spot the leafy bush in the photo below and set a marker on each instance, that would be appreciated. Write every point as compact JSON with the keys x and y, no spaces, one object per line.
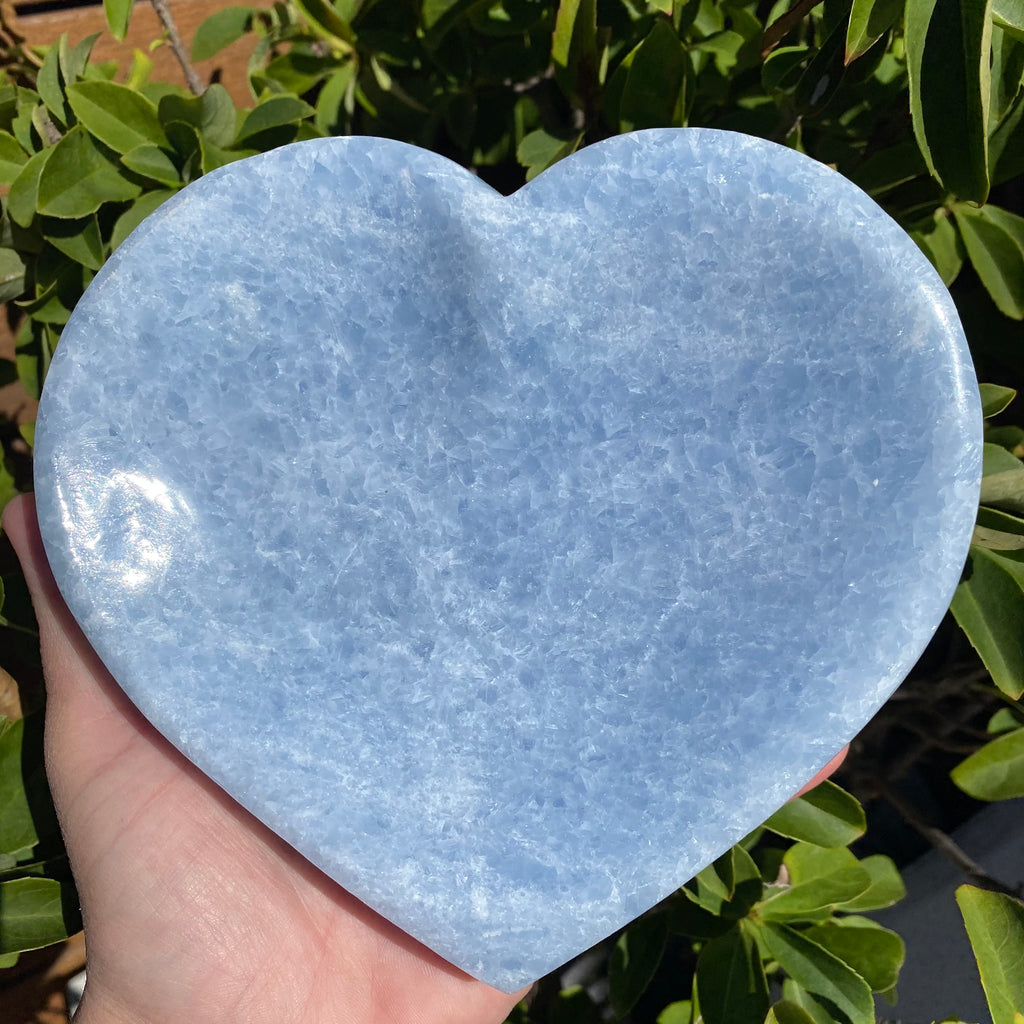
{"x":919,"y":102}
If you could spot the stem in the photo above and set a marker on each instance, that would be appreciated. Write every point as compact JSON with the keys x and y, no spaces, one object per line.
{"x":163,"y":12}
{"x":780,"y":27}
{"x":946,"y":845}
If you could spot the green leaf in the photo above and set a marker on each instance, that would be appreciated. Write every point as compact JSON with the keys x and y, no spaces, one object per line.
{"x":635,"y":960}
{"x":1007,"y":71}
{"x":941,"y":243}
{"x":1004,"y":720}
{"x":989,"y":607}
{"x":36,"y":912}
{"x":995,"y":398}
{"x":785,"y":1012}
{"x":874,"y":952}
{"x":119,"y":117}
{"x":336,"y":94}
{"x":23,"y":199}
{"x":152,"y":162}
{"x":731,"y":984}
{"x":806,"y":899}
{"x":12,"y":158}
{"x":869,"y":20}
{"x":17,"y":829}
{"x":574,"y":48}
{"x":539,"y":150}
{"x":1002,"y":479}
{"x":50,"y":87}
{"x":221,"y":29}
{"x":995,"y":926}
{"x":212,"y":114}
{"x":996,"y":771}
{"x":79,"y":178}
{"x":1009,"y":15}
{"x":79,"y":239}
{"x":994,"y":240}
{"x":326,"y":21}
{"x":74,"y":59}
{"x":119,"y":13}
{"x":272,"y":113}
{"x":820,"y":973}
{"x":886,"y":886}
{"x":687,"y":917}
{"x":136,"y":214}
{"x":656,"y":73}
{"x":679,"y":1012}
{"x":826,"y":816}
{"x":948,"y":44}
{"x":12,"y":275}
{"x":732,"y":896}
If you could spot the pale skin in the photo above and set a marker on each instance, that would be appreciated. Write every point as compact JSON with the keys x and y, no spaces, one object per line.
{"x":194,"y":912}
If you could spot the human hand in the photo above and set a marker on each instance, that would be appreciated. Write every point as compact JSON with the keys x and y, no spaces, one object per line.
{"x":194,"y":911}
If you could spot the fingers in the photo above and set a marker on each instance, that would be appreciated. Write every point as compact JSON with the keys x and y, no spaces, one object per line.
{"x":825,"y":772}
{"x":68,"y":660}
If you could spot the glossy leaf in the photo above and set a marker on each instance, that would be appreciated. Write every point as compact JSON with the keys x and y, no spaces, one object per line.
{"x":336,"y":95}
{"x":326,"y":21}
{"x":119,"y":117}
{"x":994,"y":240}
{"x":23,"y":199}
{"x":826,"y":892}
{"x":539,"y":150}
{"x":785,"y":1012}
{"x":50,"y":87}
{"x":137,"y":213}
{"x":119,"y":13}
{"x":1009,"y":15}
{"x":212,"y":114}
{"x":731,"y":983}
{"x":995,"y":926}
{"x":273,"y":113}
{"x":634,"y":961}
{"x":869,"y":20}
{"x":874,"y":952}
{"x":152,"y":162}
{"x":655,"y":74}
{"x":78,"y":178}
{"x":820,"y":973}
{"x":996,"y":771}
{"x":886,"y":886}
{"x":75,"y":59}
{"x":988,"y":605}
{"x":17,"y":829}
{"x":219,"y":30}
{"x":995,"y":398}
{"x":941,"y":243}
{"x":79,"y":239}
{"x":12,"y":158}
{"x":1007,"y":72}
{"x":732,"y":896}
{"x":947,"y":45}
{"x":574,"y":47}
{"x":36,"y":912}
{"x":12,"y":275}
{"x":826,"y":816}
{"x":1002,"y":481}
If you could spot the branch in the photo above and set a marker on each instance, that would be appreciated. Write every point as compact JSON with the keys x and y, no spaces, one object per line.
{"x":946,"y":846}
{"x":781,"y":26}
{"x":163,"y":12}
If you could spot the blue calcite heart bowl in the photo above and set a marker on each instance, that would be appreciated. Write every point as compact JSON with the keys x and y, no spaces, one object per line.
{"x":512,"y":557}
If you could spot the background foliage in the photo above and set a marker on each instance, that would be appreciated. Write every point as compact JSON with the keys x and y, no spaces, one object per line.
{"x":919,"y":102}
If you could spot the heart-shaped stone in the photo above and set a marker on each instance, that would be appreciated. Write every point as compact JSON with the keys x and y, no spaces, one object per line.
{"x":512,"y":557}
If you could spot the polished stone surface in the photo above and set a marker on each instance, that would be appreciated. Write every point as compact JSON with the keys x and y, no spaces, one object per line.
{"x":512,"y":558}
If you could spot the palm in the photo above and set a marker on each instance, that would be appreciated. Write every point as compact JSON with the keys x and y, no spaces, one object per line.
{"x":194,"y":910}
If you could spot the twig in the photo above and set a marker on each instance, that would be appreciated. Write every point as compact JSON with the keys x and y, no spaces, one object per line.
{"x":163,"y":12}
{"x":946,"y":845}
{"x":780,"y":27}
